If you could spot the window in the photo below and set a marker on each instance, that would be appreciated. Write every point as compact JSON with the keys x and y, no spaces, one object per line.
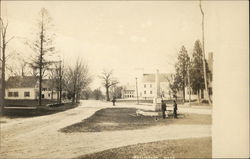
{"x":15,"y":94}
{"x":151,"y":92}
{"x":145,"y":92}
{"x":150,"y":85}
{"x":144,"y":85}
{"x":26,"y":94}
{"x":49,"y":95}
{"x":10,"y":94}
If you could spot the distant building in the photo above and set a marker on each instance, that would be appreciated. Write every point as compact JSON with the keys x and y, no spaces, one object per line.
{"x":147,"y":86}
{"x":27,"y":87}
{"x":129,"y":91}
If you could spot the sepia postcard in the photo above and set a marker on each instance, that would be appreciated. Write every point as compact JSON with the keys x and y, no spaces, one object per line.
{"x":124,"y":79}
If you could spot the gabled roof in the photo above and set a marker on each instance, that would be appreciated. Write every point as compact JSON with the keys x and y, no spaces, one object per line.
{"x":163,"y":77}
{"x":27,"y":82}
{"x":21,"y":82}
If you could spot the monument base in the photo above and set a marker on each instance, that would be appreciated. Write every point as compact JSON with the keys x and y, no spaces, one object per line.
{"x":157,"y":104}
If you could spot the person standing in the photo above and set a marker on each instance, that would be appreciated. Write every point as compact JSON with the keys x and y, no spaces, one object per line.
{"x":175,"y":109}
{"x":163,"y":109}
{"x":113,"y":100}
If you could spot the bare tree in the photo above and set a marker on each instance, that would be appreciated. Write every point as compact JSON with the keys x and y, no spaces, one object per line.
{"x":76,"y":79}
{"x":116,"y":91}
{"x":42,"y":46}
{"x":172,"y":85}
{"x":97,"y":93}
{"x":18,"y":65}
{"x":4,"y":42}
{"x":87,"y":93}
{"x":108,"y":81}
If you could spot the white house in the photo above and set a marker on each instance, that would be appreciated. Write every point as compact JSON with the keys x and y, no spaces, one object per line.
{"x":26,"y":87}
{"x":21,"y":87}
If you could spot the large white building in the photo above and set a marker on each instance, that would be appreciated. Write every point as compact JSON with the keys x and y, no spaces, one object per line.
{"x":147,"y":86}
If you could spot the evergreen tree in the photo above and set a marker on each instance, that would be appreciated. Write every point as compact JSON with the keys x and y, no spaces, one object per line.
{"x":196,"y":71}
{"x":181,"y":68}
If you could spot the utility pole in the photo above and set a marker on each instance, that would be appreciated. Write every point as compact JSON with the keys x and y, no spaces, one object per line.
{"x":136,"y":91}
{"x":203,"y":51}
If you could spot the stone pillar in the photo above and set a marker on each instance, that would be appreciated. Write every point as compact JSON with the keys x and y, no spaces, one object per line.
{"x":157,"y":98}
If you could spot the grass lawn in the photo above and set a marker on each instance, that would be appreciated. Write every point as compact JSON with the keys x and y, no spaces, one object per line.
{"x":43,"y":110}
{"x":111,"y":119}
{"x":181,"y":148}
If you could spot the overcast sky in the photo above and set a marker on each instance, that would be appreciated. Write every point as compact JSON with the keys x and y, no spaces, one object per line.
{"x":123,"y":36}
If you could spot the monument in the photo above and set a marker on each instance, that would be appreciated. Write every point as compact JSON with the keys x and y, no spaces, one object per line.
{"x":157,"y":97}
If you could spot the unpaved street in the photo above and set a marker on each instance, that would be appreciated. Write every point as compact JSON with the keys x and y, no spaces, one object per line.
{"x":38,"y":137}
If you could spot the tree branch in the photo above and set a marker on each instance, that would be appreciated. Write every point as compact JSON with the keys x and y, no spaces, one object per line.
{"x":9,"y":40}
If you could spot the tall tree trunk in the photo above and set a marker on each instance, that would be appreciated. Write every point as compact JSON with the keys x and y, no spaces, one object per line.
{"x":77,"y":95}
{"x":60,"y":83}
{"x":107,"y":94}
{"x":3,"y":77}
{"x":198,"y":95}
{"x":40,"y":66}
{"x":74,"y":94}
{"x":57,"y":92}
{"x":40,"y":81}
{"x":73,"y":98}
{"x":183,"y":91}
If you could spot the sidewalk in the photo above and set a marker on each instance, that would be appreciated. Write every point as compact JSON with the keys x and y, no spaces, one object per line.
{"x":181,"y":108}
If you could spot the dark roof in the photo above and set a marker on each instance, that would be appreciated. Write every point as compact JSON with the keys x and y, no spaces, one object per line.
{"x":163,"y":77}
{"x":47,"y":83}
{"x":26,"y":82}
{"x":21,"y":82}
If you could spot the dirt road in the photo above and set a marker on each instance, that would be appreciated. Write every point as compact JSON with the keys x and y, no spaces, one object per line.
{"x":38,"y":137}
